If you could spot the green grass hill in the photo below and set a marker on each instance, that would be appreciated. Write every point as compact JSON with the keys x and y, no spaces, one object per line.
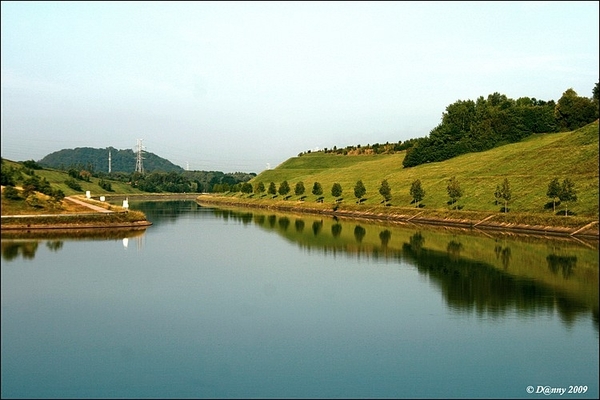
{"x":528,"y":165}
{"x":57,"y":179}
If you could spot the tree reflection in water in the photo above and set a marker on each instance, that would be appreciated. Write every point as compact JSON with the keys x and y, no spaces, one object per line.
{"x":470,"y":279}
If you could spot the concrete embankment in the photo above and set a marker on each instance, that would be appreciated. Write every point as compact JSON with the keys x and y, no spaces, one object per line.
{"x":589,"y":229}
{"x":99,"y":217}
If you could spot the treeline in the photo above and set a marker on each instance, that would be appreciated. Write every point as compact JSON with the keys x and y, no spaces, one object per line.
{"x":472,"y":126}
{"x":557,"y":192}
{"x":190,"y":181}
{"x":154,"y":182}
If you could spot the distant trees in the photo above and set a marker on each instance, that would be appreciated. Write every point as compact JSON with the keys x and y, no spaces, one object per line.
{"x":454,"y":190}
{"x":359,"y":190}
{"x":171,"y":182}
{"x":385,"y":191}
{"x":31,"y":164}
{"x":416,"y":192}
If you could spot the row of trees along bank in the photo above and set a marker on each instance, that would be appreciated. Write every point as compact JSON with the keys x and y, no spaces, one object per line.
{"x":564,"y":192}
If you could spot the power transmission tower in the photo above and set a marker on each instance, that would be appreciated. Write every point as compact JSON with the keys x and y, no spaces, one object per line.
{"x":109,"y":162}
{"x":139,"y":165}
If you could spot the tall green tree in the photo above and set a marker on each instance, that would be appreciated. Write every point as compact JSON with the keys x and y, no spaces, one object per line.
{"x":246,"y":188}
{"x":417,"y":192}
{"x":299,"y":189}
{"x":385,"y":190}
{"x":505,"y":193}
{"x":336,"y":190}
{"x":553,"y":191}
{"x":317,"y":189}
{"x":359,"y":190}
{"x":284,"y":188}
{"x":567,"y":192}
{"x":259,"y":188}
{"x":272,"y":189}
{"x":454,"y":190}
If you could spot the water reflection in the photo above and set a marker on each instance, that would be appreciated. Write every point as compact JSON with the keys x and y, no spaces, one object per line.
{"x":489,"y":275}
{"x":26,"y":243}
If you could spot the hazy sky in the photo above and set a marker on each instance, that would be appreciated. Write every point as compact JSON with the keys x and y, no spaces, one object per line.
{"x":237,"y":86}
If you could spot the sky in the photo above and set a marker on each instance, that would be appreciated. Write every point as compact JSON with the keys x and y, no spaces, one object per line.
{"x":243,"y":86}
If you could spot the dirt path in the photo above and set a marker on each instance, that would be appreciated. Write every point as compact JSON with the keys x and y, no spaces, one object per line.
{"x":85,"y":204}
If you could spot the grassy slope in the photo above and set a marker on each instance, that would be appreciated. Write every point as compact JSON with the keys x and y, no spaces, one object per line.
{"x":57,"y":180}
{"x":528,"y":165}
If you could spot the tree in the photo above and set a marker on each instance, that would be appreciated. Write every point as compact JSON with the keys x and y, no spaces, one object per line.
{"x":284,"y":188}
{"x":505,"y":193}
{"x":572,"y":111}
{"x":497,"y":194}
{"x":299,"y":189}
{"x":417,"y":192}
{"x":553,"y":191}
{"x":567,"y":192}
{"x":359,"y":190}
{"x":454,"y":190}
{"x":336,"y":190}
{"x":385,"y":191}
{"x":246,"y":188}
{"x":317,"y":189}
{"x":272,"y":189}
{"x":259,"y":188}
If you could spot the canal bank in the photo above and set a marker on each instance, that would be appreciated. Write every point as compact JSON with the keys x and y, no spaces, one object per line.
{"x":510,"y":222}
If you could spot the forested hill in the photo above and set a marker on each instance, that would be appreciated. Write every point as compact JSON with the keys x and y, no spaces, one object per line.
{"x":470,"y":126}
{"x":96,"y":160}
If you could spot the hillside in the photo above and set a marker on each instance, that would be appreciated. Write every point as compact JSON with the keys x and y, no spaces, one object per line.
{"x":57,"y":179}
{"x":529,"y":166}
{"x":97,"y":160}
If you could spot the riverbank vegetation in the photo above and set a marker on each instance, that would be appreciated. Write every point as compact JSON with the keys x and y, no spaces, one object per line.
{"x":528,"y":166}
{"x":512,"y":184}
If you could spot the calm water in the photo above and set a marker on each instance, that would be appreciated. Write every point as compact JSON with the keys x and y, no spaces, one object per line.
{"x":224,"y":303}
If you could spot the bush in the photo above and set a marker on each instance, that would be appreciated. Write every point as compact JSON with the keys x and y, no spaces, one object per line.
{"x":11,"y":193}
{"x":73,"y":184}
